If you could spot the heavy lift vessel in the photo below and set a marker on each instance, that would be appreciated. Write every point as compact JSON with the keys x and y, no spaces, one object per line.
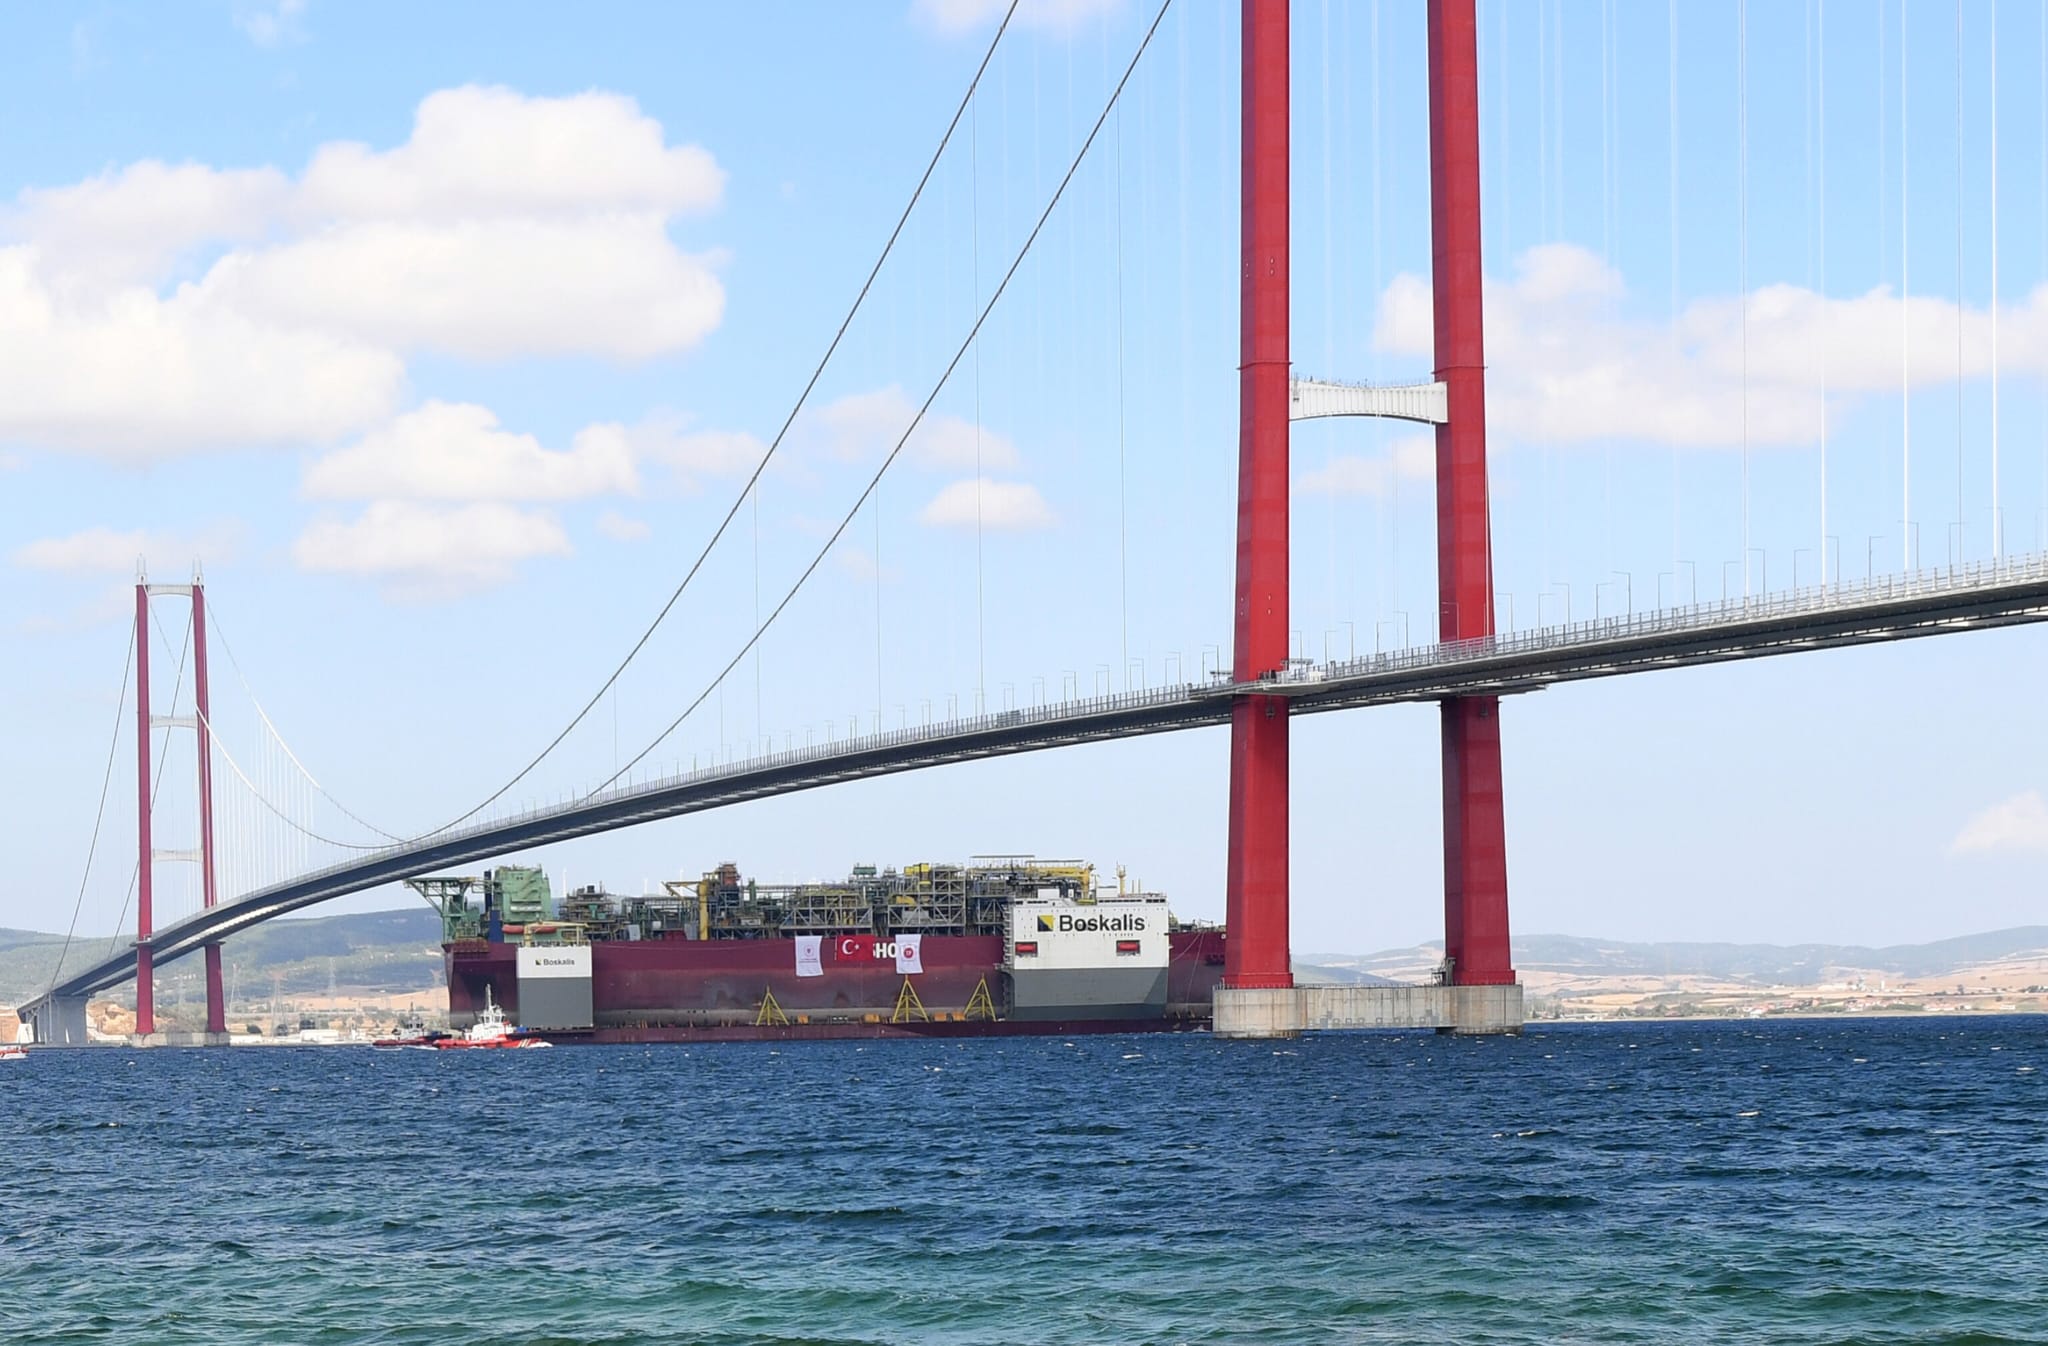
{"x":1002,"y":944}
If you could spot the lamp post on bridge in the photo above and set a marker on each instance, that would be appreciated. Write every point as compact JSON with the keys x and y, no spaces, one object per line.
{"x":1763,"y":570}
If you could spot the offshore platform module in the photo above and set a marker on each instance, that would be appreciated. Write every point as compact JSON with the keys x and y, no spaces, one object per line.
{"x":1002,"y":944}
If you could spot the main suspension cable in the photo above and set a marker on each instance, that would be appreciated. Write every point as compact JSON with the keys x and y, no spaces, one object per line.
{"x":959,"y":354}
{"x":106,"y":781}
{"x":817,"y":373}
{"x":213,"y":619}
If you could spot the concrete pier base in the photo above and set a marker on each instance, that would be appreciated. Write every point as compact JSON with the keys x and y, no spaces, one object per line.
{"x":194,"y":1039}
{"x":1286,"y":1013}
{"x":59,"y":1023}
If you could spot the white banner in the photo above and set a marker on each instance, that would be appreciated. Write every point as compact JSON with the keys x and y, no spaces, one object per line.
{"x":909,"y":954}
{"x":807,"y":964}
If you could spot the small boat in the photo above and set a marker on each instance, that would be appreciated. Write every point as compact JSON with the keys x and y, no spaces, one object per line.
{"x":413,"y":1034}
{"x":13,"y":1052}
{"x":490,"y":1030}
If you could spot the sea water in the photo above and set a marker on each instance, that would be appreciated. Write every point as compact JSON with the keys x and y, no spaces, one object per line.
{"x":1819,"y":1181}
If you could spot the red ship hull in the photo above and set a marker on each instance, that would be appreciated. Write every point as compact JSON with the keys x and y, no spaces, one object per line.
{"x":671,"y":990}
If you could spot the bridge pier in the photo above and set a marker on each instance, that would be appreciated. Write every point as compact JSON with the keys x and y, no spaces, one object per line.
{"x":1285,"y":1012}
{"x":58,"y":1022}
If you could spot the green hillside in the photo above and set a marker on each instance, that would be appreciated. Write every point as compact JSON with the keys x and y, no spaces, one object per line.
{"x":376,"y":951}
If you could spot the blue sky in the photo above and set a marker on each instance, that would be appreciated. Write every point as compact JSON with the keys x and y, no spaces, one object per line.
{"x":444,"y":336}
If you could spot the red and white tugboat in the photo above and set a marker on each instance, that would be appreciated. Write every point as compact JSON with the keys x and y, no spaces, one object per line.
{"x":490,"y":1030}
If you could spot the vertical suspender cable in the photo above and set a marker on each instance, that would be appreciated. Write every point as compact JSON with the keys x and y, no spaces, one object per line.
{"x":757,"y":622}
{"x":1671,"y":119}
{"x":1390,"y":499}
{"x":1496,"y":461}
{"x":1329,"y":292}
{"x":974,"y":230}
{"x":878,"y":610}
{"x":1742,"y":248}
{"x":1607,"y":257}
{"x":1557,"y":122}
{"x":1905,"y":335}
{"x":1123,"y":549}
{"x":1826,"y":310}
{"x":1997,"y":508}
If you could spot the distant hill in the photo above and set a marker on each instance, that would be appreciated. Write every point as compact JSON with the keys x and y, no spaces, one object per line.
{"x":400,"y":952}
{"x":1753,"y":964}
{"x":383,"y":951}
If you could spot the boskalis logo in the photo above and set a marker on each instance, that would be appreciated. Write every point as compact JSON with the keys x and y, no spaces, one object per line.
{"x":1067,"y":923}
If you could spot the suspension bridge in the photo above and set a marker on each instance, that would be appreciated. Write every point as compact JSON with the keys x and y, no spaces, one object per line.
{"x":1466,"y":671}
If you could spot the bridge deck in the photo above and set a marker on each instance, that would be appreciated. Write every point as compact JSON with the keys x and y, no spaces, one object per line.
{"x":1986,"y":595}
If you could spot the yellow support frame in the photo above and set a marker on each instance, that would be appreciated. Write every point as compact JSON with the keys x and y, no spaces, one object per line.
{"x":771,"y":1013}
{"x":908,"y":1006}
{"x":980,"y":1005}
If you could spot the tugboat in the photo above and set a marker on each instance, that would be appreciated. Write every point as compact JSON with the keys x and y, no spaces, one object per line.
{"x":490,"y":1030}
{"x":412,"y":1034}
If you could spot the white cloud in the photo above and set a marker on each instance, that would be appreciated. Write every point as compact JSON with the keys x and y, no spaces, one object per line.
{"x":504,"y":226}
{"x":1005,"y":506}
{"x":456,"y":451}
{"x":424,"y":552}
{"x":273,"y":24}
{"x":2018,"y":824}
{"x":480,"y":152}
{"x":865,"y":426}
{"x":960,"y":16}
{"x":488,"y":289}
{"x":1408,"y":458}
{"x":130,"y":225}
{"x":130,"y":375}
{"x":689,"y":454}
{"x":1566,"y":361}
{"x":108,"y":551}
{"x":620,"y":528}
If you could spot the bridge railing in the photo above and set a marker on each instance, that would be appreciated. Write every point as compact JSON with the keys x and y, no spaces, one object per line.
{"x":1831,"y":597}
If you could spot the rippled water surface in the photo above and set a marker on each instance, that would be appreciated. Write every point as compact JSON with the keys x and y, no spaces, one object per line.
{"x":1880,"y":1181}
